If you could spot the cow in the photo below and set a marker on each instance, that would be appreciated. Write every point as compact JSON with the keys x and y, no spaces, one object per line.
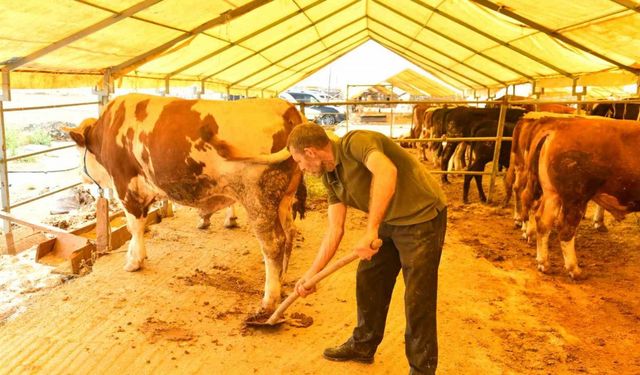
{"x":204,"y":154}
{"x":568,"y":163}
{"x":620,"y":111}
{"x":482,"y":152}
{"x":460,"y":122}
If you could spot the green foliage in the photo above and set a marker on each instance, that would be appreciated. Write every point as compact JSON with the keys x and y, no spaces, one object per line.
{"x":14,"y":139}
{"x":40,"y":137}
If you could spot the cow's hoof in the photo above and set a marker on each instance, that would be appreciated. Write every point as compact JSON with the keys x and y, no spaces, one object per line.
{"x":601,"y":228}
{"x":231,"y":222}
{"x":576,"y":273}
{"x":204,"y":224}
{"x":465,"y":201}
{"x":132,"y":266}
{"x":517,"y":223}
{"x":543,"y":267}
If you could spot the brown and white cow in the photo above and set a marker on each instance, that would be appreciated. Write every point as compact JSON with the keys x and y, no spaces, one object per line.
{"x":204,"y":154}
{"x":569,"y":162}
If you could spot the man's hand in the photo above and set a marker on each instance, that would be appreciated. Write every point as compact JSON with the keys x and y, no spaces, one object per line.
{"x":301,"y":290}
{"x":363,"y":247}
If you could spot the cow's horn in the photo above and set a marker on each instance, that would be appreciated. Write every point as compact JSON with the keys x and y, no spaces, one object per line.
{"x":274,"y":158}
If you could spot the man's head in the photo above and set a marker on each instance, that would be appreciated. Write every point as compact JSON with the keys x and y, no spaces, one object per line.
{"x":311,"y":149}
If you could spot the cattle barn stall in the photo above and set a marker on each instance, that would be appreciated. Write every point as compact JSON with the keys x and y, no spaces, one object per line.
{"x":183,"y":314}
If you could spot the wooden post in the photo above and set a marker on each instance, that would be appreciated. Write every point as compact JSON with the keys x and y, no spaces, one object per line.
{"x":103,"y":226}
{"x":496,"y":150}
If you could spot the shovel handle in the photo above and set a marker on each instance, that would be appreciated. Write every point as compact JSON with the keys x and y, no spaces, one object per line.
{"x":375,"y":244}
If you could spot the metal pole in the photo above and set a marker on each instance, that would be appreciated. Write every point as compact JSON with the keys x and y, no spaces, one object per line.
{"x":302,"y":107}
{"x":346,"y":117}
{"x":4,"y":186}
{"x":496,"y":150}
{"x":391,"y":124}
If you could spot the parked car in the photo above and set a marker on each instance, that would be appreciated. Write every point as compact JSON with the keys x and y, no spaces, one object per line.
{"x":322,"y":114}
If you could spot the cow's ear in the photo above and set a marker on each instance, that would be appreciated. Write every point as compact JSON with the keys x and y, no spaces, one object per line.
{"x":77,"y":134}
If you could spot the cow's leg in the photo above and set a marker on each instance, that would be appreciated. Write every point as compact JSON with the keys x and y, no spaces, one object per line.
{"x":458,"y":157}
{"x":546,"y":215}
{"x":205,"y":219}
{"x":230,"y":219}
{"x":598,"y":219}
{"x":137,"y":251}
{"x":572,"y":214}
{"x":446,"y":156}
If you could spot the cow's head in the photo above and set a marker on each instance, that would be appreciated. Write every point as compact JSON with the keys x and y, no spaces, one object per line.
{"x":90,"y":168}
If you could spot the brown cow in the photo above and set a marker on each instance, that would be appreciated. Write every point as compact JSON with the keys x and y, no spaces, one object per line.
{"x":200,"y":153}
{"x":568,"y":163}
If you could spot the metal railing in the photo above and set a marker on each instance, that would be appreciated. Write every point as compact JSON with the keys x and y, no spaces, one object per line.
{"x":504,"y":104}
{"x":7,"y":205}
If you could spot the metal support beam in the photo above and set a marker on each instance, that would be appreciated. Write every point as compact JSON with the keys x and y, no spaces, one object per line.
{"x":338,"y":54}
{"x":284,"y":38}
{"x":13,"y":64}
{"x":554,"y":34}
{"x":125,"y":67}
{"x":463,"y":45}
{"x":167,"y":87}
{"x":298,"y":51}
{"x":387,"y":25}
{"x":4,"y":186}
{"x":493,"y":38}
{"x":496,"y":151}
{"x":628,"y":4}
{"x":403,"y":51}
{"x":241,"y":40}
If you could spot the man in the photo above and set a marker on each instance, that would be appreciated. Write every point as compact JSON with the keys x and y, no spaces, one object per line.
{"x":407,"y":210}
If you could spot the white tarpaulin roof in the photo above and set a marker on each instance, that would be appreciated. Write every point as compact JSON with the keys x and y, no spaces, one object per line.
{"x":265,"y":46}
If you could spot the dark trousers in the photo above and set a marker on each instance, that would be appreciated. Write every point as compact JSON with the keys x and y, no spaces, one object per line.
{"x":415,"y":249}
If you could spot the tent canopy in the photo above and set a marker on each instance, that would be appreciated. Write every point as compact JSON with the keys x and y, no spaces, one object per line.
{"x":264,"y":46}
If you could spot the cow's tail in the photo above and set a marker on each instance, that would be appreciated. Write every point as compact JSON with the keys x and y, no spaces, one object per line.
{"x":533,"y":190}
{"x":300,"y":203}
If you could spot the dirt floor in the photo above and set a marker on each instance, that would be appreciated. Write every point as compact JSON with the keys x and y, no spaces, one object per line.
{"x":183,"y":313}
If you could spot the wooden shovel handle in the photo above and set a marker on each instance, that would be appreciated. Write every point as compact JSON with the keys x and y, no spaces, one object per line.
{"x":375,"y":244}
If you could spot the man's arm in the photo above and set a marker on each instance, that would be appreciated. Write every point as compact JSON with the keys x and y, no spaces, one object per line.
{"x":383,"y":186}
{"x":337,"y":214}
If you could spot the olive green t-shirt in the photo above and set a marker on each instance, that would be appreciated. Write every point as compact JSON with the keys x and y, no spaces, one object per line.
{"x":418,"y":197}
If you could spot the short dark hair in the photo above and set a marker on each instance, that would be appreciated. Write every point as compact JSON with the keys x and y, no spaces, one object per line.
{"x":306,"y":135}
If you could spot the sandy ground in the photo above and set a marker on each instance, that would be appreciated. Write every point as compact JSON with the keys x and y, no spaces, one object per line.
{"x":183,"y":313}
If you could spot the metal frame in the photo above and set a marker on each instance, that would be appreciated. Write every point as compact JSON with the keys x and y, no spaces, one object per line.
{"x":463,"y":45}
{"x":285,"y":38}
{"x":343,"y":40}
{"x":130,"y":64}
{"x":398,"y":49}
{"x":338,"y":54}
{"x":237,"y":42}
{"x":628,"y":4}
{"x":554,"y":34}
{"x":296,"y":52}
{"x":436,"y":50}
{"x":491,"y":37}
{"x":13,"y":64}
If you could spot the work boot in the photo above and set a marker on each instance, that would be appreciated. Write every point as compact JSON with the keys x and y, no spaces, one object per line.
{"x":349,"y":351}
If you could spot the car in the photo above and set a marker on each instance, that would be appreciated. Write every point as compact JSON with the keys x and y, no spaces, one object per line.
{"x":328,"y":115}
{"x":310,"y":113}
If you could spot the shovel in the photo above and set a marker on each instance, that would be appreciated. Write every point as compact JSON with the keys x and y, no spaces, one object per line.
{"x":277,"y":317}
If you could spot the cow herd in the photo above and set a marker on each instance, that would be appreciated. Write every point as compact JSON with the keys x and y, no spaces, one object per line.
{"x":557,"y":163}
{"x":212,"y":154}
